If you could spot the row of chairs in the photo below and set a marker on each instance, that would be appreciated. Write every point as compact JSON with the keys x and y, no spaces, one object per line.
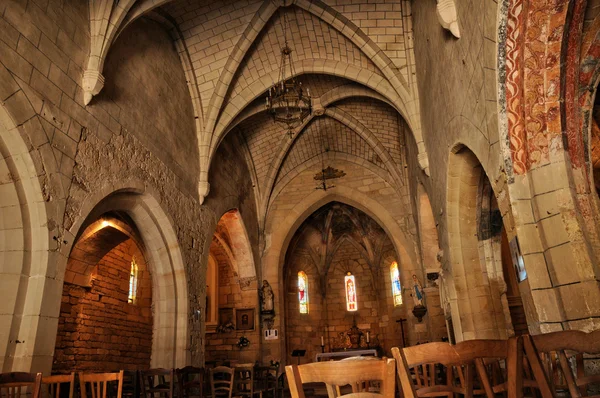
{"x":546,"y":366}
{"x":242,"y":381}
{"x":245,"y":381}
{"x":101,"y":385}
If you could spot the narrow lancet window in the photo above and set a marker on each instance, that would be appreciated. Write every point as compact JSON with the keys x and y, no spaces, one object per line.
{"x":133,"y":282}
{"x":396,"y":287}
{"x":303,"y":292}
{"x":350,"y":286}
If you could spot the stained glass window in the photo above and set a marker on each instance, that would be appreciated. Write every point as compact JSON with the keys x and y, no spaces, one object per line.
{"x":303,"y":292}
{"x":396,"y":287}
{"x":350,"y":285}
{"x":133,"y":281}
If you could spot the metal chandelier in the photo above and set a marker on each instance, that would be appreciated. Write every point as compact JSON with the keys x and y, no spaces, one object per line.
{"x":288,"y":102}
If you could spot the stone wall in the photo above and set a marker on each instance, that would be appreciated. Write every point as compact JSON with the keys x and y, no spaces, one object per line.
{"x":328,"y":315}
{"x":144,"y":60}
{"x":461,"y":110}
{"x":98,"y":330}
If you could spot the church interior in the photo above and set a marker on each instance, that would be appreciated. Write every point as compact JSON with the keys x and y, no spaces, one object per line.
{"x":194,"y":183}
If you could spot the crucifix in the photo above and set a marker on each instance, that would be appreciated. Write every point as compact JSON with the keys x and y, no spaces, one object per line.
{"x":401,"y":322}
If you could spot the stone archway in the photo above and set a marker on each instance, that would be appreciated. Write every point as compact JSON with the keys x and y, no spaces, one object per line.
{"x":24,"y":257}
{"x":235,"y":296}
{"x":476,"y":288}
{"x":289,"y":221}
{"x":105,"y":320}
{"x":332,"y":241}
{"x":169,"y":282}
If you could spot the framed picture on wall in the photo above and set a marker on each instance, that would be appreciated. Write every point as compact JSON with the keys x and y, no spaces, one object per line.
{"x":244,"y":318}
{"x":226,"y":317}
{"x":517,"y":259}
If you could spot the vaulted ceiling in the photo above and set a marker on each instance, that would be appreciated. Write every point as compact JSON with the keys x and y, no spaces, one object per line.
{"x":335,"y":231}
{"x":356,"y":64}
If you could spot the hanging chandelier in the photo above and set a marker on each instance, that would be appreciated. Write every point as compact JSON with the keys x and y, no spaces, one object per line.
{"x":326,"y":173}
{"x":288,"y":102}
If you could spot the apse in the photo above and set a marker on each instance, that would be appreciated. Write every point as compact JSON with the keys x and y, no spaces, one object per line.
{"x":341,"y":270}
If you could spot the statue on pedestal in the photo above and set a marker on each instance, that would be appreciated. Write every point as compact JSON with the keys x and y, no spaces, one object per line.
{"x":267,"y":299}
{"x":418,"y":296}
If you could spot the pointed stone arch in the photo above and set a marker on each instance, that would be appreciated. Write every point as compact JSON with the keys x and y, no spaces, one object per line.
{"x":24,"y":254}
{"x":352,"y":123}
{"x":171,"y":301}
{"x":281,"y":184}
{"x":478,"y":310}
{"x":233,"y":238}
{"x":274,"y":257}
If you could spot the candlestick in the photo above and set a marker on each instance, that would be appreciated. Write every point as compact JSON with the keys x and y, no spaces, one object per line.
{"x":322,"y":341}
{"x":368,"y":335}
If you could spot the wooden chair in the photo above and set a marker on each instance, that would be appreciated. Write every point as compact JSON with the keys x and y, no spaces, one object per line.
{"x":265,"y":381}
{"x":521,"y":370}
{"x":337,"y":374}
{"x":190,"y":379}
{"x":15,"y":384}
{"x":221,"y":382}
{"x":559,"y":351}
{"x":459,"y":360}
{"x":243,"y":381}
{"x":131,"y":384}
{"x":427,"y":362}
{"x":99,"y":383}
{"x":158,"y":381}
{"x":53,"y":384}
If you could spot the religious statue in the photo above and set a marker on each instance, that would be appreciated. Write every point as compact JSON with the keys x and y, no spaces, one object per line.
{"x":267,"y":298}
{"x":417,"y":293}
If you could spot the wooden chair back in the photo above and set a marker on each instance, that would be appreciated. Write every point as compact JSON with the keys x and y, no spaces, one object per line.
{"x":221,"y":382}
{"x":265,"y":381}
{"x":53,"y":384}
{"x":98,"y":383}
{"x":158,"y":381}
{"x":460,"y":360}
{"x":190,"y":379}
{"x":428,"y":361}
{"x":15,"y":384}
{"x":243,"y":381}
{"x":521,"y":370}
{"x":563,"y":352}
{"x":336,"y":374}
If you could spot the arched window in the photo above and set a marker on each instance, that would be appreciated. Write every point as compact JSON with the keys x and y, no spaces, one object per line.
{"x":133,"y":281}
{"x":396,"y":287}
{"x":350,"y":286}
{"x":303,"y":292}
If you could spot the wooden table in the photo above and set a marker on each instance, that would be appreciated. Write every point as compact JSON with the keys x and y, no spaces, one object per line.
{"x":344,"y":354}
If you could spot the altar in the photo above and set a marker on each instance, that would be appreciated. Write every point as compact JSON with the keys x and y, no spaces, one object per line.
{"x":327,"y":356}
